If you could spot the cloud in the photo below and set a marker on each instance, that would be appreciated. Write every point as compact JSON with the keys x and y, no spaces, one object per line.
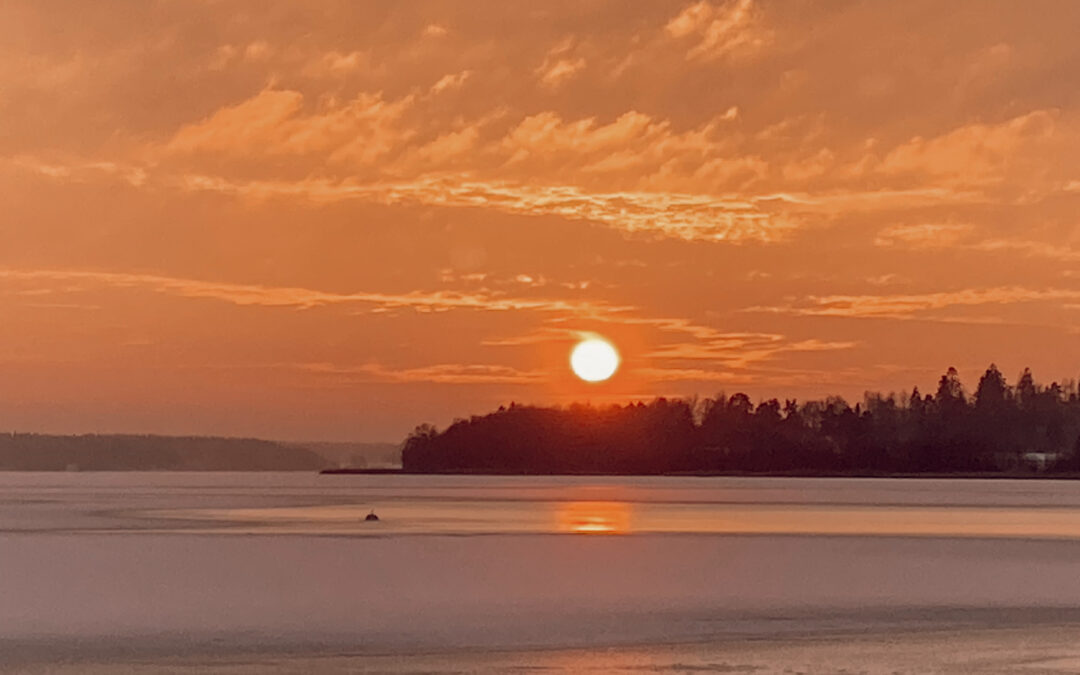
{"x":633,"y":150}
{"x":740,"y":350}
{"x":722,"y":349}
{"x":975,"y":154}
{"x":306,"y":298}
{"x":274,"y":122}
{"x":63,"y":306}
{"x":697,"y":353}
{"x":370,"y":138}
{"x":804,"y":169}
{"x":242,"y":127}
{"x":223,"y":55}
{"x":884,"y":200}
{"x":443,"y":373}
{"x":82,"y":171}
{"x":560,"y":64}
{"x":337,"y":63}
{"x":547,"y":135}
{"x":908,"y":306}
{"x":724,"y":31}
{"x":923,"y":235}
{"x":692,"y":375}
{"x":257,"y":51}
{"x":955,"y":236}
{"x":689,"y":216}
{"x":539,"y":336}
{"x":554,"y":73}
{"x":1031,"y":249}
{"x":681,"y":216}
{"x":450,"y":81}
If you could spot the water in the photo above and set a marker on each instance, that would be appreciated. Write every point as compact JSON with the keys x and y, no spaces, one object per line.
{"x":150,"y":572}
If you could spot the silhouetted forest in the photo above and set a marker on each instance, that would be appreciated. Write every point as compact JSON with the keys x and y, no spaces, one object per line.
{"x":40,"y":452}
{"x":996,"y":428}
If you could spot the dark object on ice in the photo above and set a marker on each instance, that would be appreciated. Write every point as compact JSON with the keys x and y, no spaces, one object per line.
{"x":371,"y":517}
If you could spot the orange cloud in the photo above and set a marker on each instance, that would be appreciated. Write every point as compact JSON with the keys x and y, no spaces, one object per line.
{"x":906,"y":306}
{"x":560,"y":65}
{"x":975,"y":153}
{"x":273,"y":122}
{"x":1034,"y":249}
{"x":451,"y":81}
{"x":444,"y":373}
{"x":306,"y":298}
{"x":336,"y":63}
{"x":923,"y":235}
{"x":723,"y":31}
{"x":740,"y":350}
{"x":683,"y":216}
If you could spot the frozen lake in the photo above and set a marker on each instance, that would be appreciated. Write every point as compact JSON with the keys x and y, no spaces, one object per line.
{"x":148,"y":572}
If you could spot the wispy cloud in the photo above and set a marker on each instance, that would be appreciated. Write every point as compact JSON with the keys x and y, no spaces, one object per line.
{"x":274,"y":122}
{"x":443,"y":373}
{"x":977,"y":153}
{"x":337,"y":64}
{"x":923,"y":235}
{"x":740,"y":350}
{"x":693,"y":375}
{"x":306,"y":298}
{"x":719,"y":31}
{"x":683,"y":216}
{"x":450,"y":82}
{"x":1026,"y":248}
{"x":560,"y":65}
{"x":434,"y":30}
{"x":912,"y":305}
{"x":961,"y":237}
{"x":559,"y":71}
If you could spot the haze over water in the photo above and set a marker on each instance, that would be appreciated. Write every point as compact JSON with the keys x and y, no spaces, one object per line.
{"x":148,"y":571}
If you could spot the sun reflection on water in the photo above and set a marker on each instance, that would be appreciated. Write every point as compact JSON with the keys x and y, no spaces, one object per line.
{"x":594,"y":517}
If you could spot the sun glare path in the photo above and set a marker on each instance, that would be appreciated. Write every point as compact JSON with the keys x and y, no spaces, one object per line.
{"x":594,"y":359}
{"x":594,"y":517}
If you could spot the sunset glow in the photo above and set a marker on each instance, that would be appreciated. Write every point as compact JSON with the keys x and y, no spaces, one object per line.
{"x":594,"y":517}
{"x":335,"y":222}
{"x":574,"y":335}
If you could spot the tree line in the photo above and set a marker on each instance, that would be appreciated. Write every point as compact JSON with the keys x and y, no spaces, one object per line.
{"x":997,"y":428}
{"x":118,"y":452}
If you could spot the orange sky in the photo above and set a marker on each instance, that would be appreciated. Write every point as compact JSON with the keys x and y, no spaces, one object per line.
{"x":336,"y":222}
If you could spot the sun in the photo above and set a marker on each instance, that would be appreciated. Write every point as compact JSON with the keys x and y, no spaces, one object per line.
{"x":594,"y":359}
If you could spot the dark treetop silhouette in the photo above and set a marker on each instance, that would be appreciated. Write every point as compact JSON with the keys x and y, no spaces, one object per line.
{"x":998,"y":429}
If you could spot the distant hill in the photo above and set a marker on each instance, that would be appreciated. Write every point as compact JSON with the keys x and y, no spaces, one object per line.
{"x":356,"y":455}
{"x":93,"y":452}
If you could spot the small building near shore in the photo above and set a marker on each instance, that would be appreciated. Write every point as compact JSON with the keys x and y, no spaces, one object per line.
{"x":1040,"y":461}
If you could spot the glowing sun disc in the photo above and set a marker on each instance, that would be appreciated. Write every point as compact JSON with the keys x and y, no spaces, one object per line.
{"x":594,"y":360}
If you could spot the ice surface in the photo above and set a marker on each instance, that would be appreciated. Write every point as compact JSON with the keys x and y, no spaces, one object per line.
{"x":112,"y":567}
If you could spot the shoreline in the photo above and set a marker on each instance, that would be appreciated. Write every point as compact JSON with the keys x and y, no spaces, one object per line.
{"x":966,"y":475}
